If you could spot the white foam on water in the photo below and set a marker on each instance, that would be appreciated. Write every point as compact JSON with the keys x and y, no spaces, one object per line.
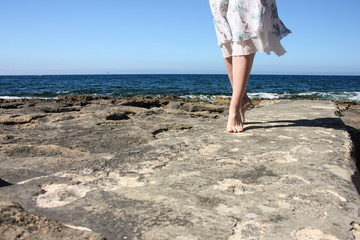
{"x":308,"y":93}
{"x":13,"y":97}
{"x":62,"y":92}
{"x":352,"y":96}
{"x":355,"y":97}
{"x":264,"y":95}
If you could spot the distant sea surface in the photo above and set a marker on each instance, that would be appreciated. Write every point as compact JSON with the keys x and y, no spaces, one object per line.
{"x":204,"y":86}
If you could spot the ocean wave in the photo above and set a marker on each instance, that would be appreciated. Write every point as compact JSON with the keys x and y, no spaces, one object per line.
{"x":352,"y":96}
{"x":355,"y":97}
{"x":63,"y":92}
{"x":266,"y":95}
{"x":15,"y":97}
{"x":334,"y":96}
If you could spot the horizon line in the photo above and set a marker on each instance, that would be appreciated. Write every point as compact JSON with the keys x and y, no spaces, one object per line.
{"x":104,"y":74}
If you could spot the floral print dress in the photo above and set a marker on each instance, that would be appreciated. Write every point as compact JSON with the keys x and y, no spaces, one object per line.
{"x":247,"y":26}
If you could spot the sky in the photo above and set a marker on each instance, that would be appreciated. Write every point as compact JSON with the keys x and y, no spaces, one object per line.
{"x":166,"y":36}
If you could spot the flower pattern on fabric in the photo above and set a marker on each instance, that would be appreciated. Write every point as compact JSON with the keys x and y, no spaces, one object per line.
{"x":240,"y":20}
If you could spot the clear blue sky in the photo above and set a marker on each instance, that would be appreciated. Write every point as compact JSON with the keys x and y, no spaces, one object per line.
{"x":165,"y":36}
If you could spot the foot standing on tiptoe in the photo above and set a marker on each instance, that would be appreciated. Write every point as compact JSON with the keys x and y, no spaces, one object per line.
{"x":244,"y":27}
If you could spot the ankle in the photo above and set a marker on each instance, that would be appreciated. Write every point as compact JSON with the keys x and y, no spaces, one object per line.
{"x":234,"y":107}
{"x":246,"y":99}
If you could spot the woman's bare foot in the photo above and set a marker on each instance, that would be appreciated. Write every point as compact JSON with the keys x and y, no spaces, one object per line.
{"x":244,"y":108}
{"x":234,"y":124}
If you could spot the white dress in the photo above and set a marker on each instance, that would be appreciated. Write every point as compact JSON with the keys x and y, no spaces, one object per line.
{"x":247,"y":26}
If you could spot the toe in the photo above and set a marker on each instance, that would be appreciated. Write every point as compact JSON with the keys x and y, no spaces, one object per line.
{"x":239,"y":128}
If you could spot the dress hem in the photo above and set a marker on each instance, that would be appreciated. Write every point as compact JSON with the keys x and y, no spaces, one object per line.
{"x":263,"y":41}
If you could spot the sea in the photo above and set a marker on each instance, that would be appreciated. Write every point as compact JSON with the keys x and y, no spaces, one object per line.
{"x":204,"y":86}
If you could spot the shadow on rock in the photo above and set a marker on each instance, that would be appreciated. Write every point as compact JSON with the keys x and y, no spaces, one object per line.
{"x":334,"y":123}
{"x":355,"y":154}
{"x":4,"y":183}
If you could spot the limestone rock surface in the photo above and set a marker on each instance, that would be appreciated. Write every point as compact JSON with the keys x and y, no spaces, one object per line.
{"x":16,"y":223}
{"x":164,"y":168}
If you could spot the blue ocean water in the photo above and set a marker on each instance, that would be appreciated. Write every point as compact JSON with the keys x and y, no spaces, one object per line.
{"x":205,"y":86}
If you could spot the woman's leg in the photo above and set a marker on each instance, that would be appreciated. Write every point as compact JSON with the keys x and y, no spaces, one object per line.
{"x":246,"y":100}
{"x":246,"y":104}
{"x":241,"y":68}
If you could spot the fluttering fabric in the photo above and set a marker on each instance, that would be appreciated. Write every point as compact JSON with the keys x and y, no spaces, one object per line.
{"x":246,"y":26}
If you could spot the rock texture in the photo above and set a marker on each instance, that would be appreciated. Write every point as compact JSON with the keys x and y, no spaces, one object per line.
{"x":164,"y":168}
{"x":19,"y":224}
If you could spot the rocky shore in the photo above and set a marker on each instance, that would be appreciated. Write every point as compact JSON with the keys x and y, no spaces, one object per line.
{"x":82,"y":167}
